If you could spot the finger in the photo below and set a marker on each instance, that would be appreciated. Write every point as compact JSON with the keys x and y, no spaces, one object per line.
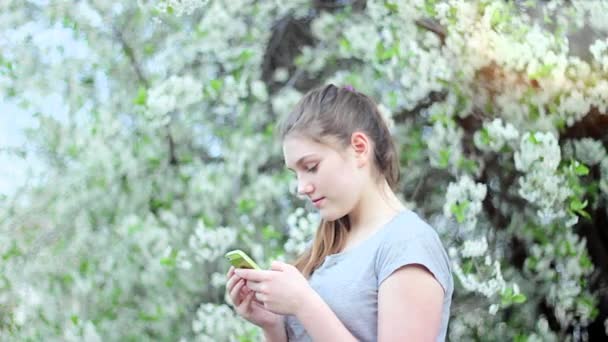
{"x":260,"y":297}
{"x":245,"y":290}
{"x":255,"y":275}
{"x":234,"y":293}
{"x":277,"y":265}
{"x":256,"y":286}
{"x":233,"y":279}
{"x":230,"y":271}
{"x":247,"y":302}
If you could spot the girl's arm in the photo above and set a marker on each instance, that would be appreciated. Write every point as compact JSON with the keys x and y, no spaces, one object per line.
{"x":409,"y":305}
{"x":320,"y":322}
{"x":276,"y":333}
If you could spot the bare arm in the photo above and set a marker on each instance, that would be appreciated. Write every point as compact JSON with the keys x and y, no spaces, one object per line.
{"x":276,"y":333}
{"x":409,"y":305}
{"x":320,"y":322}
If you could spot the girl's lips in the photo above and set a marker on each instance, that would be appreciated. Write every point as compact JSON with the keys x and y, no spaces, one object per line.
{"x":318,"y":202}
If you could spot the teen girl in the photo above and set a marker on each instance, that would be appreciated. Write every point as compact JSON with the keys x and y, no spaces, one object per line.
{"x":375,"y":270}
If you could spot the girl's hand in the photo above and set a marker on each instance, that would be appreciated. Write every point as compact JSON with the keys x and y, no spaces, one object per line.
{"x":246,"y":305}
{"x":282,"y":290}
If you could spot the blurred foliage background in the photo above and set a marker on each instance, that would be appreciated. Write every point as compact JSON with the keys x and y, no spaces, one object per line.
{"x":160,"y":155}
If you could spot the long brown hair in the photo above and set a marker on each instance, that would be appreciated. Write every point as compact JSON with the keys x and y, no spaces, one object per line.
{"x":332,"y":112}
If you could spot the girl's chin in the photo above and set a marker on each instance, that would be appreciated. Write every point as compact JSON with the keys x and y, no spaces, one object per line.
{"x":329,"y":215}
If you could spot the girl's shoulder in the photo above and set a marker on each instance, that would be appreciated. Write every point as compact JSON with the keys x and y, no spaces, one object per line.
{"x":408,"y":226}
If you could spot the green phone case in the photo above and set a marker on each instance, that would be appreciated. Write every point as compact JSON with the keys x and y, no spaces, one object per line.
{"x":240,"y":259}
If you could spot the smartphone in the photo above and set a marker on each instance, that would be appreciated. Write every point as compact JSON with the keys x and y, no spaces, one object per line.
{"x":240,"y":259}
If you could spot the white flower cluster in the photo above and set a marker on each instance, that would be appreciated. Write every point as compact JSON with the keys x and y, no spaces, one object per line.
{"x":471,"y":282}
{"x":219,"y":323}
{"x":599,"y":50}
{"x":175,"y":92}
{"x":284,"y":102}
{"x":474,"y":248}
{"x":604,"y":176}
{"x":563,"y":280}
{"x":490,"y":36}
{"x":444,"y":145}
{"x":539,"y":157}
{"x":495,"y":135}
{"x":181,"y":258}
{"x":587,"y":150}
{"x":463,"y":201}
{"x":539,"y":151}
{"x":363,"y":39}
{"x":301,"y":231}
{"x":209,"y":244}
{"x":180,"y":7}
{"x":543,"y":332}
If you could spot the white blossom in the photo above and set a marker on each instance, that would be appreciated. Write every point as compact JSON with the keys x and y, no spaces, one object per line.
{"x":538,"y":150}
{"x":496,"y":134}
{"x":474,"y":248}
{"x":180,"y":7}
{"x":589,"y":151}
{"x":301,"y":229}
{"x":210,"y":244}
{"x":466,"y":195}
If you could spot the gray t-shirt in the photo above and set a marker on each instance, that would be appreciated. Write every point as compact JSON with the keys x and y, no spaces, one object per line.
{"x":348,"y":282}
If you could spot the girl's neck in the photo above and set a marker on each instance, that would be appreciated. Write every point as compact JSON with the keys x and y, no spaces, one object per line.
{"x":375,"y":208}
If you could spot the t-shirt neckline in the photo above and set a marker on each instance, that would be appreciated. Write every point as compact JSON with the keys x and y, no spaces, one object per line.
{"x":374,"y":235}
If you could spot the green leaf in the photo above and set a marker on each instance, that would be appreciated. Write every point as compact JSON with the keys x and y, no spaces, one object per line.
{"x":168,"y":261}
{"x":383,"y":54}
{"x":485,"y":136}
{"x":467,"y":164}
{"x":429,"y":7}
{"x":393,"y":8}
{"x":142,"y":96}
{"x":543,"y":71}
{"x":270,"y":233}
{"x":444,"y":158}
{"x":581,"y":170}
{"x":520,"y":338}
{"x":583,"y":213}
{"x":459,"y":210}
{"x":245,"y":56}
{"x":532,"y":138}
{"x":467,"y":267}
{"x":345,"y":44}
{"x":534,"y":112}
{"x":216,"y":84}
{"x":14,"y":251}
{"x":576,"y":204}
{"x":506,"y":297}
{"x":585,"y":262}
{"x":246,"y":205}
{"x":496,"y":18}
{"x":519,"y":298}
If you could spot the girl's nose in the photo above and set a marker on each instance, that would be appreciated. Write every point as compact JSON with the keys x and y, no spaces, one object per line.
{"x":304,"y":188}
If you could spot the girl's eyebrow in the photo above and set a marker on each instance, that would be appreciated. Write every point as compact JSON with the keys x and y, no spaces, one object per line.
{"x":301,"y":160}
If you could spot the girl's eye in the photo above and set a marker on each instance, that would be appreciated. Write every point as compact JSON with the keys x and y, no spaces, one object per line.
{"x":313,"y":169}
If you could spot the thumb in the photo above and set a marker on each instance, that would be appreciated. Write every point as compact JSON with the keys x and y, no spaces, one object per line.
{"x":277,"y":265}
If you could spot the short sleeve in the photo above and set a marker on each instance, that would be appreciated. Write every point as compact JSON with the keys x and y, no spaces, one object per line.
{"x":425,"y":249}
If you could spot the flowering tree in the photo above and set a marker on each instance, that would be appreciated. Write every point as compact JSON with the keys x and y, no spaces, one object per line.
{"x":167,"y":157}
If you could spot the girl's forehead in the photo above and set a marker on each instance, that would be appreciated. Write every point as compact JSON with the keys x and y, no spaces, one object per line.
{"x":299,"y":146}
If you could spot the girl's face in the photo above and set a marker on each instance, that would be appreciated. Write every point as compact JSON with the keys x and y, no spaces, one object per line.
{"x":329,"y":179}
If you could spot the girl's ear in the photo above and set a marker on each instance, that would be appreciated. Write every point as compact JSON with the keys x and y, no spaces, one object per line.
{"x":361,"y":147}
